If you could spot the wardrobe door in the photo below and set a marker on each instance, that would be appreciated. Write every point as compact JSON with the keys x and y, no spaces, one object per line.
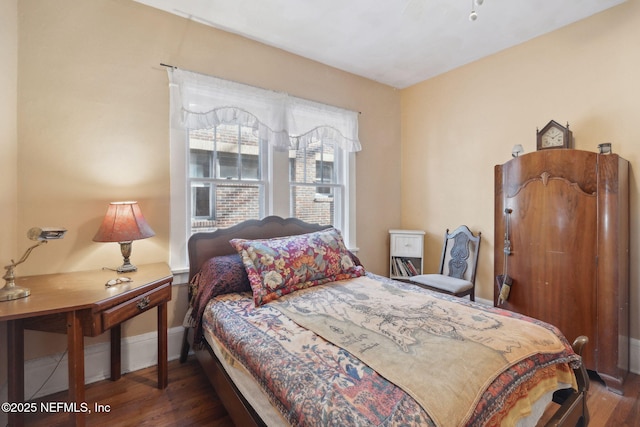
{"x":553,"y":228}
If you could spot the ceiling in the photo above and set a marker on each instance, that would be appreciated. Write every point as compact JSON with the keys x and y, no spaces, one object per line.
{"x":395,"y":42}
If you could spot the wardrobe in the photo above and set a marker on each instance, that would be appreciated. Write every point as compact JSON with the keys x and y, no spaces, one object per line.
{"x":562,"y":241}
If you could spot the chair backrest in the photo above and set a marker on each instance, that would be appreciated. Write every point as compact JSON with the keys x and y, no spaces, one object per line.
{"x":460,"y":254}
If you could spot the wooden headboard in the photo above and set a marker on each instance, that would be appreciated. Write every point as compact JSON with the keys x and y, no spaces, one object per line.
{"x":203,"y":246}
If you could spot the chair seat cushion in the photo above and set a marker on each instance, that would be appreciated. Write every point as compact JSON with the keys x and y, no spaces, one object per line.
{"x":445,"y":283}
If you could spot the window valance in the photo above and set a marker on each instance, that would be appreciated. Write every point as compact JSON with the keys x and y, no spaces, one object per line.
{"x":199,"y":101}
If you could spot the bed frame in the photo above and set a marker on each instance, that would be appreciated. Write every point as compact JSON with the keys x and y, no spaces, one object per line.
{"x":203,"y":246}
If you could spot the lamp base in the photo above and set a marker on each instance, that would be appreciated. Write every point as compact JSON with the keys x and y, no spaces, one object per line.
{"x":12,"y":292}
{"x":126,"y":268}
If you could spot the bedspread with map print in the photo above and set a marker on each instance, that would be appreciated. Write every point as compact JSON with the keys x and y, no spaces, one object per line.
{"x":405,"y":336}
{"x":403,"y":356}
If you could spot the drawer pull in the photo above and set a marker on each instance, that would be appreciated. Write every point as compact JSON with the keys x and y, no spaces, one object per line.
{"x":143,"y":303}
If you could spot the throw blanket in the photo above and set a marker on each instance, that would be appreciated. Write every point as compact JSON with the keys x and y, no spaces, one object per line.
{"x":402,"y":334}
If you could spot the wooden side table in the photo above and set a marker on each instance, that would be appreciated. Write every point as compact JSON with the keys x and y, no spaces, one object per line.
{"x":79,"y":304}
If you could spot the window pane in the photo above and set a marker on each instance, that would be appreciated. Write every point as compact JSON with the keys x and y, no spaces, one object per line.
{"x":324,"y":173}
{"x":308,"y":206}
{"x":201,"y":199}
{"x":238,"y":152}
{"x":313,"y":165}
{"x":232,"y":203}
{"x":233,"y":150}
{"x":223,"y":169}
{"x":228,"y":165}
{"x":237,"y":203}
{"x":200,"y":163}
{"x":249,"y":154}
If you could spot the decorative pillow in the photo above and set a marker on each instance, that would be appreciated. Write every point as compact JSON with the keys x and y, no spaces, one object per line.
{"x":219,"y":275}
{"x":283,"y":265}
{"x":223,"y":275}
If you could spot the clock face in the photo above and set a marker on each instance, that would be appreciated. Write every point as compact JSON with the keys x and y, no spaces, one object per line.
{"x":552,"y":138}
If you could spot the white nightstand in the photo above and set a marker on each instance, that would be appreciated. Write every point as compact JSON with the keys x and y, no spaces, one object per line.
{"x":406,"y":252}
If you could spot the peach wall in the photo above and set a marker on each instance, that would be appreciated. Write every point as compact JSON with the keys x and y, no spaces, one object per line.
{"x":458,"y":126}
{"x":8,"y":145}
{"x":93,"y":128}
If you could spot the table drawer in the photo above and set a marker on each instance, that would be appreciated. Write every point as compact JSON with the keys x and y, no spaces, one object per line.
{"x":406,"y":245}
{"x":135,"y":306}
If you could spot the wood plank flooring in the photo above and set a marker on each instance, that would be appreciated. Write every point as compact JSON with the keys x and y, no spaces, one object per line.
{"x":608,"y":409}
{"x":135,"y":400}
{"x":189,"y":400}
{"x":612,"y":410}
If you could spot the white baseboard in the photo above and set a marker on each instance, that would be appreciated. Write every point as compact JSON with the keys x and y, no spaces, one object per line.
{"x":138,"y":352}
{"x":634,"y":362}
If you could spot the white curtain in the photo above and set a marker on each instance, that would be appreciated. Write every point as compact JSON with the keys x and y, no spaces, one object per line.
{"x":199,"y":101}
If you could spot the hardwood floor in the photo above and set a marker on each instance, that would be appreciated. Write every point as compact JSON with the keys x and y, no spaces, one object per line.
{"x":189,"y":400}
{"x":134,"y":400}
{"x":612,"y":410}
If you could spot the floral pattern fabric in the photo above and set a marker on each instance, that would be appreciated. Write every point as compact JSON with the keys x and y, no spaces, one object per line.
{"x":283,"y":265}
{"x":218,"y":276}
{"x":309,"y":380}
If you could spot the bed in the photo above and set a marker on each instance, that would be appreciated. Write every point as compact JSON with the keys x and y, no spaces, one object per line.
{"x":291,"y":329}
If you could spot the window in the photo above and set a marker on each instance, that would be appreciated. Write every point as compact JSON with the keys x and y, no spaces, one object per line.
{"x":239,"y":152}
{"x":225,"y":177}
{"x":226,"y":186}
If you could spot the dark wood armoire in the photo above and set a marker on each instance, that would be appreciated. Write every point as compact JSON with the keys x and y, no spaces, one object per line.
{"x":563,"y":216}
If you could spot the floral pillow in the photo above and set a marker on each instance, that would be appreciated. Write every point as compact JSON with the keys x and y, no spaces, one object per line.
{"x":283,"y":265}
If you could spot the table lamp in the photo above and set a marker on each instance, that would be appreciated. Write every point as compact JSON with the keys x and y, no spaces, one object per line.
{"x":10,"y":291}
{"x":124,"y":223}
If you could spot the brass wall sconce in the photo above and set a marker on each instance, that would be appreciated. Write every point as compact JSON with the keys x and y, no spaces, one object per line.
{"x":10,"y":291}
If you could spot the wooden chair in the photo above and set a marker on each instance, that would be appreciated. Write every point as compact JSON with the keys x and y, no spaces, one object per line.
{"x":458,"y":265}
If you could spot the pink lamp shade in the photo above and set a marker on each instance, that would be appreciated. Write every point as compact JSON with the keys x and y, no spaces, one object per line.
{"x":124,"y":223}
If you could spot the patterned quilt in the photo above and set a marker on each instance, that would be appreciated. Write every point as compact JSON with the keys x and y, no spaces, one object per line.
{"x":314,"y":382}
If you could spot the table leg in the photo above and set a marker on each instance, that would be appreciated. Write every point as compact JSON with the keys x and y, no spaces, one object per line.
{"x":116,"y":354}
{"x":163,"y":366}
{"x":15,"y":366}
{"x":75,"y":342}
